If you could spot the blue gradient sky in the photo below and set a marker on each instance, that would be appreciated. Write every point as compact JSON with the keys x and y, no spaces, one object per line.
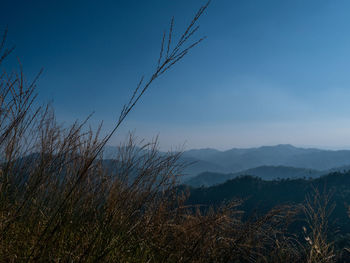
{"x":270,"y":71}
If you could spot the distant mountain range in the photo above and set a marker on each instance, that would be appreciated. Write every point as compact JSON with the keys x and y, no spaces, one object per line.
{"x":236,"y":160}
{"x":211,"y":166}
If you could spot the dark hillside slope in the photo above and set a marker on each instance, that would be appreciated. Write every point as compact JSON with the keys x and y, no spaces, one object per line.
{"x":260,"y":196}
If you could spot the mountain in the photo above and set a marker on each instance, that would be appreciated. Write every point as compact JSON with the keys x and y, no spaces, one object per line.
{"x":264,"y":172}
{"x":202,"y":154}
{"x":194,"y":167}
{"x":236,"y":160}
{"x":241,"y":161}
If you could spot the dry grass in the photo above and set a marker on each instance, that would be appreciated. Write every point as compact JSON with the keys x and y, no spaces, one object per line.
{"x":317,"y":209}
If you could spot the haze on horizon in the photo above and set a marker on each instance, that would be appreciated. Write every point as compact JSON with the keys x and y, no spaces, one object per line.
{"x":270,"y":72}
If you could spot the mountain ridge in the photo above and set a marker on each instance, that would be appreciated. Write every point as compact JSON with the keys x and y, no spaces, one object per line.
{"x":239,"y":159}
{"x":236,"y":160}
{"x":208,"y":179}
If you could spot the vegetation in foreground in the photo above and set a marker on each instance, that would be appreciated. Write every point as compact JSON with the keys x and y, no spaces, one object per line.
{"x":59,"y":203}
{"x":261,"y":196}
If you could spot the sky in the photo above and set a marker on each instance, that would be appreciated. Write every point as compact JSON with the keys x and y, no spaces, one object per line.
{"x":269,"y":72}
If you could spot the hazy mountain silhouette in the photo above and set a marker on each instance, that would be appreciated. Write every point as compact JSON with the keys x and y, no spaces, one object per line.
{"x":264,"y":172}
{"x":236,"y":160}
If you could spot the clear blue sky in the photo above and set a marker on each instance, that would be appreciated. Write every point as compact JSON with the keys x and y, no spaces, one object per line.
{"x":269,"y":72}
